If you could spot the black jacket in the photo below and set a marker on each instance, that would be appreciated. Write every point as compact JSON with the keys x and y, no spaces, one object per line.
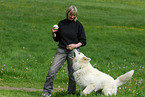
{"x":70,"y":32}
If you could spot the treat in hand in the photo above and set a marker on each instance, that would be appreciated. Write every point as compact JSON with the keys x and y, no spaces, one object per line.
{"x":55,"y":27}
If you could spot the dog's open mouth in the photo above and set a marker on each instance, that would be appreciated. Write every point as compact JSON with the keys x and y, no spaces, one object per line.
{"x":74,"y":54}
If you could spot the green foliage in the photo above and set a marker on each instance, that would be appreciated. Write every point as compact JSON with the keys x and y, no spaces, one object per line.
{"x":115,"y":31}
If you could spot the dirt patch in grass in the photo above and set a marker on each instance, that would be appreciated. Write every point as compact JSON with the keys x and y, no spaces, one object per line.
{"x":22,"y":89}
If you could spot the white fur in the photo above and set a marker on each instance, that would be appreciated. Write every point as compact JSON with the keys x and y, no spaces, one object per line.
{"x":91,"y":79}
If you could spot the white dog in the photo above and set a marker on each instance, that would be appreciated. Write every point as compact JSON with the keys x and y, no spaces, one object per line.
{"x":89,"y":78}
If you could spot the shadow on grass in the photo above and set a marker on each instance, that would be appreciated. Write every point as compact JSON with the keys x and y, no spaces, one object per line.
{"x":64,"y":94}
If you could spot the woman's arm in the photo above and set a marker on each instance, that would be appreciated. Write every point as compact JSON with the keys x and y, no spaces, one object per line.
{"x":54,"y":33}
{"x":73,"y":46}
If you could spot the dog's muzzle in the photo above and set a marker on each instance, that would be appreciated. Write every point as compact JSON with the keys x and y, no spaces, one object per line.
{"x":73,"y":55}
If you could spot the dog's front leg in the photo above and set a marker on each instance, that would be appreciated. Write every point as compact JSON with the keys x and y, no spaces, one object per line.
{"x":89,"y":89}
{"x":81,"y":91}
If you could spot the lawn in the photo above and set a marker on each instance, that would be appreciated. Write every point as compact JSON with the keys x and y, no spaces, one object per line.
{"x":115,"y":31}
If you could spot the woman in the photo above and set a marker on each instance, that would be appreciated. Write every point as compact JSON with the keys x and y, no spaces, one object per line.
{"x":70,"y":35}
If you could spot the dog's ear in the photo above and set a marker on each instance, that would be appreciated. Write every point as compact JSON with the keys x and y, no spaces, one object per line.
{"x":86,"y":58}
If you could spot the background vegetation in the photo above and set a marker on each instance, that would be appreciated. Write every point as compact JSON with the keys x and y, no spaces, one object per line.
{"x":115,"y":31}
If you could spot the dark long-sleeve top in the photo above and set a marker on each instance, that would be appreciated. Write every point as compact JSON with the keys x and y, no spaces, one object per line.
{"x":70,"y":32}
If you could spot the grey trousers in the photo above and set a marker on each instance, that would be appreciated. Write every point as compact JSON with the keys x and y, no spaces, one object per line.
{"x":61,"y":56}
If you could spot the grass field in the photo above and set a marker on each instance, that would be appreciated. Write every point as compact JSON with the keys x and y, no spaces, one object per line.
{"x":115,"y":31}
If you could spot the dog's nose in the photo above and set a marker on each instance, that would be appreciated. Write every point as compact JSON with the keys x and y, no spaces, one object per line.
{"x":74,"y":50}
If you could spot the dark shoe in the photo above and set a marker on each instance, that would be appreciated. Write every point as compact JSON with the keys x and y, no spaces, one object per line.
{"x":46,"y":94}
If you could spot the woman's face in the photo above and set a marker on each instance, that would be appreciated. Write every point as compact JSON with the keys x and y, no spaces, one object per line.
{"x":71,"y":16}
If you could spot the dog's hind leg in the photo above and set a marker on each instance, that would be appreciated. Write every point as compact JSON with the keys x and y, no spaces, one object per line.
{"x":89,"y":89}
{"x":110,"y":89}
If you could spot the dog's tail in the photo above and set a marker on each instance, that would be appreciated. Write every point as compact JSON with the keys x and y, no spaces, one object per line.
{"x":124,"y":78}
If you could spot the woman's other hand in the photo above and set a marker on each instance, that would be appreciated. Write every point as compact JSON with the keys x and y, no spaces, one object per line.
{"x":54,"y":30}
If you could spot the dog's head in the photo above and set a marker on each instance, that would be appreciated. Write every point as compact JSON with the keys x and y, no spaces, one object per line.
{"x":79,"y":60}
{"x":78,"y":56}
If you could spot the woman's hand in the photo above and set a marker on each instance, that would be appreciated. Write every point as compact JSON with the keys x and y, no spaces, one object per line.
{"x":53,"y":31}
{"x":71,"y":46}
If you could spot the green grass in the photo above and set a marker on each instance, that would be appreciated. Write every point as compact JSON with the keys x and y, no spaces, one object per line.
{"x":115,"y":31}
{"x":15,"y":93}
